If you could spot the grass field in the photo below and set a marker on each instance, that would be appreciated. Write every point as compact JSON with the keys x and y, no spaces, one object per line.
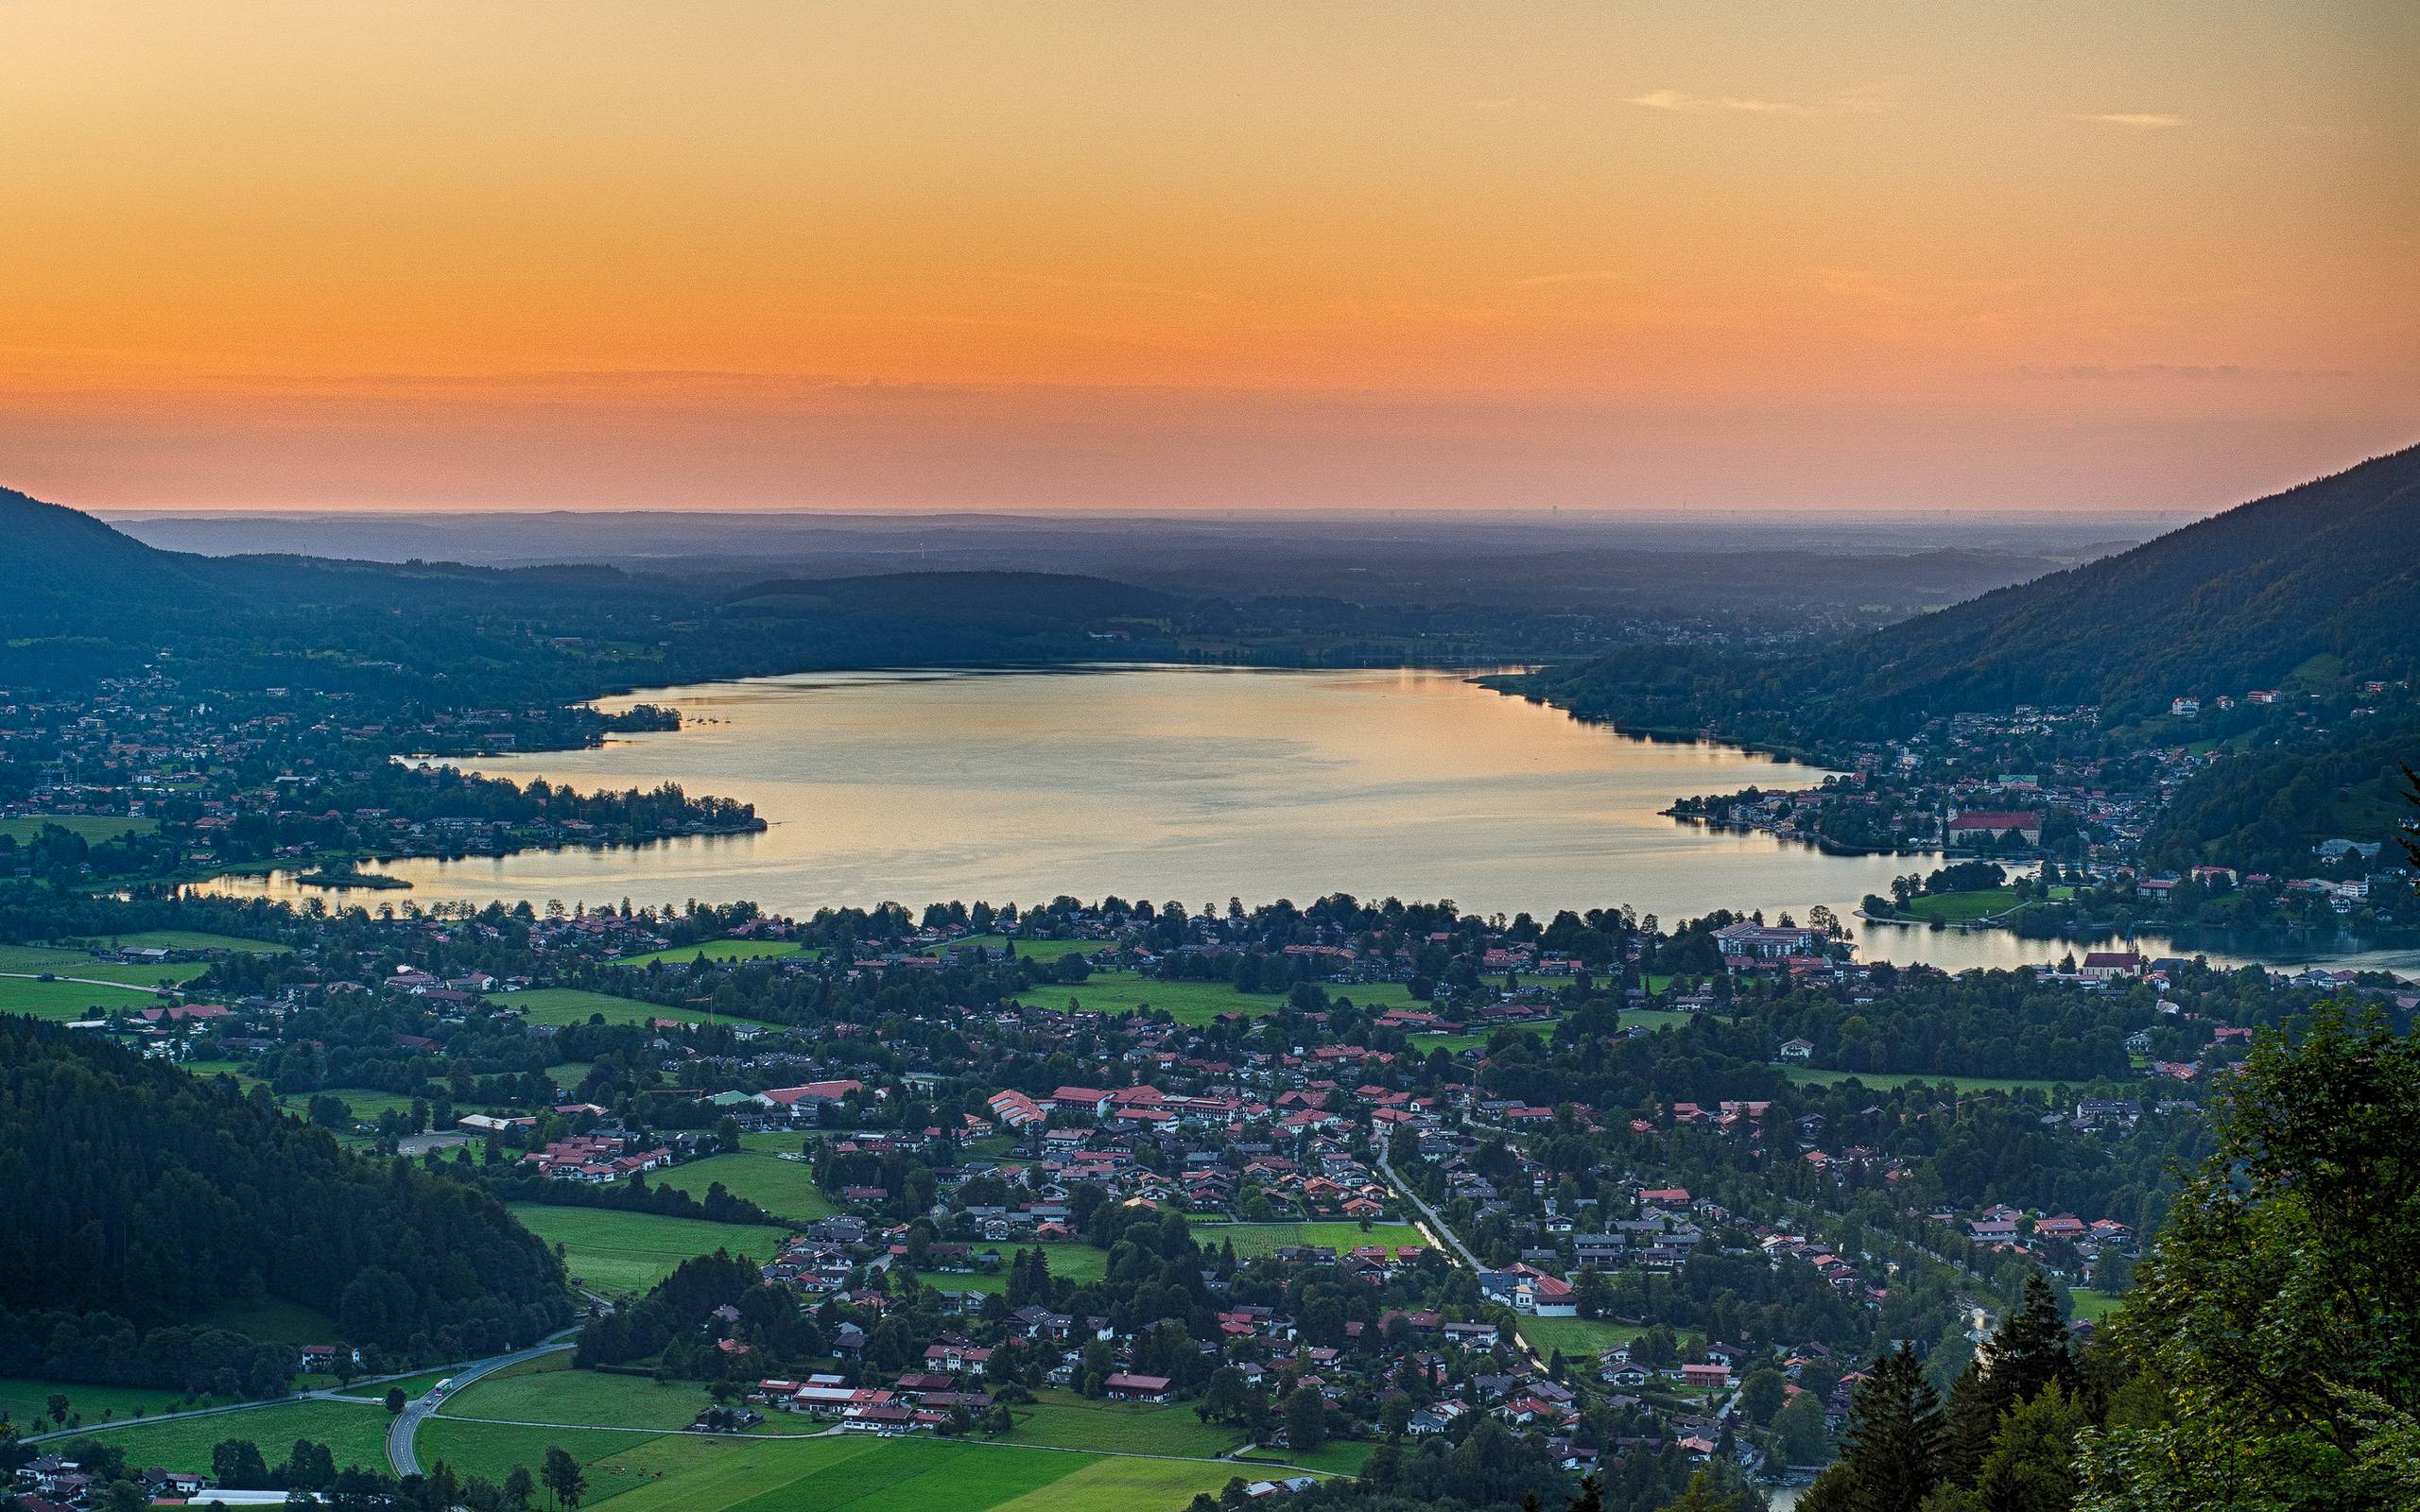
{"x":1077,"y":1262}
{"x":568,"y":1005}
{"x":1453,"y":1043}
{"x":1338,"y":1456}
{"x":1033,"y":950}
{"x":2093,"y":1304}
{"x":1061,"y":1420}
{"x":67,"y":960}
{"x":192,"y":939}
{"x":859,"y":1474}
{"x":67,"y":1000}
{"x":1576,"y":1336}
{"x":1191,"y":1001}
{"x":1659,"y":1017}
{"x":93,"y":828}
{"x":1817,"y":1076}
{"x":723,"y":950}
{"x":547,"y":1389}
{"x":23,"y":1400}
{"x":1960,"y":908}
{"x":785,"y":1188}
{"x":1252,"y":1238}
{"x":628,"y":1252}
{"x":356,"y":1431}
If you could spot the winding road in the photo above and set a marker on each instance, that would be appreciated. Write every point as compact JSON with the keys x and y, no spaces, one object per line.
{"x":401,"y":1456}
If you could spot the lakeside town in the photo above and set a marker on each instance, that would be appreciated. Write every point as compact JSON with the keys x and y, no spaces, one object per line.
{"x":1325,"y":1183}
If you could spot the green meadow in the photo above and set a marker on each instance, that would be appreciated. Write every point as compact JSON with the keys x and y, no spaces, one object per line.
{"x":1577,"y":1337}
{"x":626,"y":1253}
{"x":785,"y":1188}
{"x":1252,"y":1238}
{"x":92,"y":828}
{"x":356,"y":1431}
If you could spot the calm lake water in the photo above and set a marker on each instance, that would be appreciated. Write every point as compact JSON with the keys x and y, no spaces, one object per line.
{"x":1179,"y":784}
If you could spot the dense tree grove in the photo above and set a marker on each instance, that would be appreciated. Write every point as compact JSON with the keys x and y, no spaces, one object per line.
{"x":142,"y":1197}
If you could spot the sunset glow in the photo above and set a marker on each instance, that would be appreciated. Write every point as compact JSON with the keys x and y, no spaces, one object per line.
{"x":1143,"y":256}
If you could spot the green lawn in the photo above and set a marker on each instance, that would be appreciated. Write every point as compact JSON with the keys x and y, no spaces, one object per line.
{"x":1338,"y":1456}
{"x":23,"y":1400}
{"x":2093,"y":1304}
{"x":547,"y":1389}
{"x":1252,"y":1238}
{"x":566,"y":1004}
{"x":1193,"y":1002}
{"x":191,"y":940}
{"x":1033,"y":950}
{"x":785,"y":1188}
{"x":1455,"y":1043}
{"x":722,"y":950}
{"x":494,"y":1449}
{"x":356,"y":1431}
{"x":1817,"y":1076}
{"x":1060,"y":1419}
{"x":65,"y":961}
{"x":1661,"y":1017}
{"x":628,"y":1252}
{"x":1962,"y":907}
{"x":1077,"y":1262}
{"x":67,"y":1000}
{"x":1577,"y":1337}
{"x":93,"y":828}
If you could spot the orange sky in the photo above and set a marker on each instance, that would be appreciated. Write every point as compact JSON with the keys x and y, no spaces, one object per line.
{"x":1198,"y":255}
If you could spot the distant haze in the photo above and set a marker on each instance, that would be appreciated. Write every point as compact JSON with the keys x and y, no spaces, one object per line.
{"x":1130,"y":256}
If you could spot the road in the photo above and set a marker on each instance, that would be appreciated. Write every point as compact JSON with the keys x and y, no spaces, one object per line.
{"x":1431,"y":1224}
{"x":401,"y":1458}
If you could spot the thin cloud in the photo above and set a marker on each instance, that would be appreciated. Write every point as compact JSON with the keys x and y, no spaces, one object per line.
{"x":2140,"y":120}
{"x":1595,"y":275}
{"x":1866,"y":100}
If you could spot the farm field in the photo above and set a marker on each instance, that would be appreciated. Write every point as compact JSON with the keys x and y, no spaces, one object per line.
{"x":67,"y":1001}
{"x":494,"y":1449}
{"x":23,"y":1400}
{"x":90,"y":827}
{"x":628,"y":1252}
{"x":1577,"y":1337}
{"x":1658,"y":1018}
{"x":857,"y":1474}
{"x":1059,"y":1419}
{"x":2093,"y":1304}
{"x":785,"y":1188}
{"x":570,"y":1005}
{"x":723,"y":950}
{"x":355,"y":1432}
{"x":1252,"y":1238}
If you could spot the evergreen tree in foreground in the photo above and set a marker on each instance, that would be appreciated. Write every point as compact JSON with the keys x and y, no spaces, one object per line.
{"x":1893,"y":1453}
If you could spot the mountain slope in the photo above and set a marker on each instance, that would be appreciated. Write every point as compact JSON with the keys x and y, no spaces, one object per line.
{"x":2239,"y":600}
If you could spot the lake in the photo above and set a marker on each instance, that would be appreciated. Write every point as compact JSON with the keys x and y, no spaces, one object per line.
{"x":1190,"y":785}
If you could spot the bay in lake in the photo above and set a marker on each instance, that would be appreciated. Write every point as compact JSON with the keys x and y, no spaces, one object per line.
{"x":1179,"y":784}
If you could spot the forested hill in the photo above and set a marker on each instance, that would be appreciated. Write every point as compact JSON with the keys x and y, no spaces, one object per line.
{"x":142,"y":1199}
{"x":2233,"y":602}
{"x":85,"y":601}
{"x":2236,"y":601}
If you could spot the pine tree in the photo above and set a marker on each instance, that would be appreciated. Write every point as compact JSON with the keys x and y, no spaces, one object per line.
{"x":1891,"y":1454}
